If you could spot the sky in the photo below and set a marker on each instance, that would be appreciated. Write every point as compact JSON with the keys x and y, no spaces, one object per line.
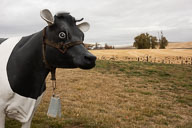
{"x":115,"y":22}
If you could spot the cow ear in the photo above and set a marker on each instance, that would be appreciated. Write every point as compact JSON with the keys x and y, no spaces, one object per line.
{"x":47,"y":16}
{"x":84,"y":27}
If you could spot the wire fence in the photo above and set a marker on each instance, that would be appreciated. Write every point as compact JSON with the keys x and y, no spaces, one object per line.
{"x":165,"y":60}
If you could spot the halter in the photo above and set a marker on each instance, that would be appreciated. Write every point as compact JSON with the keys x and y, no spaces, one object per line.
{"x":60,"y":46}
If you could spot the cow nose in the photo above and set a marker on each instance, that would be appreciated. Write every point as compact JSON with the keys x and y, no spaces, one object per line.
{"x":90,"y":58}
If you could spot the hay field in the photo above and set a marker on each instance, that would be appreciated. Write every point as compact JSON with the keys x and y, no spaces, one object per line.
{"x":142,"y":52}
{"x":184,"y":45}
{"x":173,"y":49}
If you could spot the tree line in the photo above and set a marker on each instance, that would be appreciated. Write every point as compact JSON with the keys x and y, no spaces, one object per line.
{"x":146,"y":41}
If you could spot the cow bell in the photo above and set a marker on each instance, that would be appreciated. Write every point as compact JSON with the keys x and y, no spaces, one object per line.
{"x":54,"y":109}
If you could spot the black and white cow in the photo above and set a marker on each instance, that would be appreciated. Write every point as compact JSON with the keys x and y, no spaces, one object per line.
{"x":23,"y":69}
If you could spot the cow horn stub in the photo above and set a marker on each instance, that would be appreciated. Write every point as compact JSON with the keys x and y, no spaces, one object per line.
{"x":62,"y":13}
{"x":79,"y":20}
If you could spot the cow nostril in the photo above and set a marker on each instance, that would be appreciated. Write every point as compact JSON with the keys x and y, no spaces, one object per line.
{"x":90,"y":58}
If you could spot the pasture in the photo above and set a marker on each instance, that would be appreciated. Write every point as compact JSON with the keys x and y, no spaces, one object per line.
{"x":142,"y":52}
{"x":166,"y":56}
{"x":120,"y":94}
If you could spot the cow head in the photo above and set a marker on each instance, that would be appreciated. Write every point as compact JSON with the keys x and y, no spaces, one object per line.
{"x":63,"y":29}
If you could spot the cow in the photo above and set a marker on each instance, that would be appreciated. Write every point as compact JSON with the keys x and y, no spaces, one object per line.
{"x":26,"y":61}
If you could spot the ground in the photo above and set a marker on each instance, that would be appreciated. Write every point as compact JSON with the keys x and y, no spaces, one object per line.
{"x":119,"y":94}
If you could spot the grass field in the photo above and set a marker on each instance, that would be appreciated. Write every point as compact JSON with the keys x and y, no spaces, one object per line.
{"x":142,"y":52}
{"x":120,"y":95}
{"x":180,"y":45}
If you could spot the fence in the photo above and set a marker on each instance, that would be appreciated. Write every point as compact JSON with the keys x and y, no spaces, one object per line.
{"x":147,"y":58}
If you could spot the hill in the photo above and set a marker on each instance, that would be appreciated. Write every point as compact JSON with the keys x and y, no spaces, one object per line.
{"x":179,"y":45}
{"x":171,"y":45}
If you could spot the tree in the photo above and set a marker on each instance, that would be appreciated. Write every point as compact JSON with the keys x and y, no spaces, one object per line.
{"x":163,"y":42}
{"x":96,"y":45}
{"x":142,"y":41}
{"x":154,"y":42}
{"x":107,"y":46}
{"x":145,"y":41}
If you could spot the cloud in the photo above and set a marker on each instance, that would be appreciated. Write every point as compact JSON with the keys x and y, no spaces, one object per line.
{"x":112,"y":21}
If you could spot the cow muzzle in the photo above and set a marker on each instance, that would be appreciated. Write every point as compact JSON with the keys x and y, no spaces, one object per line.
{"x":86,"y":61}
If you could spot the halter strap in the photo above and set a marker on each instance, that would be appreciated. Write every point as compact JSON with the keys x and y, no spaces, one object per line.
{"x":61,"y":46}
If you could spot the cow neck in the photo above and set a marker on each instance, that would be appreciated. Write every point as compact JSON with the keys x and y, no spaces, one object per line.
{"x":26,"y":71}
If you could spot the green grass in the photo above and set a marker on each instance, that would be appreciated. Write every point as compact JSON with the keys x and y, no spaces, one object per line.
{"x":117,"y":94}
{"x":180,"y":75}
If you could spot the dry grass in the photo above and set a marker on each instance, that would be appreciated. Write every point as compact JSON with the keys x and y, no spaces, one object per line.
{"x":142,"y":52}
{"x":179,"y":45}
{"x":120,"y":95}
{"x":166,"y":56}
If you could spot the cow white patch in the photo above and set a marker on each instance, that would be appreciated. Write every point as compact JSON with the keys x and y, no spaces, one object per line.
{"x":14,"y":105}
{"x":5,"y":51}
{"x":20,"y":108}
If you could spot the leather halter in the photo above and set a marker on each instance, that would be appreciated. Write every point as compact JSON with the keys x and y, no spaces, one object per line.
{"x":61,"y":46}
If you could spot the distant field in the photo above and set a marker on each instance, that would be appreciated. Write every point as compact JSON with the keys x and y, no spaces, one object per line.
{"x":166,"y":56}
{"x":142,"y":52}
{"x":119,"y":94}
{"x":171,"y":45}
{"x":180,"y":45}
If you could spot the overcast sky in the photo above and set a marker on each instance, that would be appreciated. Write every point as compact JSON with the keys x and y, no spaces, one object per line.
{"x":112,"y":21}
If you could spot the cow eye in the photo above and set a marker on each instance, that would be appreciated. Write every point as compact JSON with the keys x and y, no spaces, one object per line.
{"x":62,"y":35}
